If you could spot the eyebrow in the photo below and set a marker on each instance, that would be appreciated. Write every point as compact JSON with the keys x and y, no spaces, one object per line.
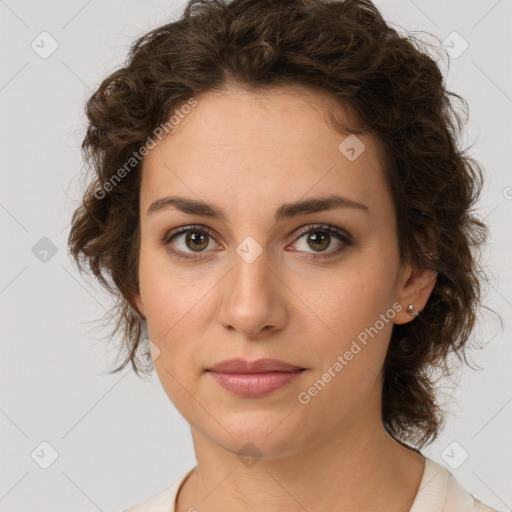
{"x":285,"y":211}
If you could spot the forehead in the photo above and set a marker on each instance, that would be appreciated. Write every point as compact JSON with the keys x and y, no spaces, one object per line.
{"x":247,"y":145}
{"x":245,"y":118}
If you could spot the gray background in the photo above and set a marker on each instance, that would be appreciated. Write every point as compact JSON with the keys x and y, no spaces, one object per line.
{"x":118,"y":439}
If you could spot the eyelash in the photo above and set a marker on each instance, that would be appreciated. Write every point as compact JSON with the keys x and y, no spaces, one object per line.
{"x":341,"y":235}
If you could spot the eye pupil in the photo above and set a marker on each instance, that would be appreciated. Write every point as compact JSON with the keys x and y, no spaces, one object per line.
{"x":315,"y":238}
{"x":198,"y":240}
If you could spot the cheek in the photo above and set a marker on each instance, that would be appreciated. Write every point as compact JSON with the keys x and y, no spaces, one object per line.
{"x":167,"y":295}
{"x":355,"y":316}
{"x":351,"y":300}
{"x":173,"y":313}
{"x":171,"y":317}
{"x":351,"y":356}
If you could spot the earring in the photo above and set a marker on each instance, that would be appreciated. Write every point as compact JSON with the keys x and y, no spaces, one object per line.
{"x":412,"y":310}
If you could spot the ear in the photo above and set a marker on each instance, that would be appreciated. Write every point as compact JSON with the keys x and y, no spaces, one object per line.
{"x":414,"y":287}
{"x":139,"y":304}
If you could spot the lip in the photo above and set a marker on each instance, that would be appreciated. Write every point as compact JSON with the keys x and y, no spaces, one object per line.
{"x":256,"y":378}
{"x":252,"y":385}
{"x":239,"y":365}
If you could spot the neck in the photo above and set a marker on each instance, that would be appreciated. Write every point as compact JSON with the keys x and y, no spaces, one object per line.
{"x":361,"y":469}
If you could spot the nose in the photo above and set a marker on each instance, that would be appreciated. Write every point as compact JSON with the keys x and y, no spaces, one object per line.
{"x":255,"y":301}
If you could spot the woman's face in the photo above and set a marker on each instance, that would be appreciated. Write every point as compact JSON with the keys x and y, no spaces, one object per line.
{"x":252,"y":286}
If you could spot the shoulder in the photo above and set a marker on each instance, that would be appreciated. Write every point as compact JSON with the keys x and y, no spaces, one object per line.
{"x":160,"y":502}
{"x":163,"y":501}
{"x":440,"y":492}
{"x":481,"y":507}
{"x":457,"y":498}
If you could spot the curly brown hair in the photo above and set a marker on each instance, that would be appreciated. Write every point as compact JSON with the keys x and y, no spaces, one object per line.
{"x":347,"y":50}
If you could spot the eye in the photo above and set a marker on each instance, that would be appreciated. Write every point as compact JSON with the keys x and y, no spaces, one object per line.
{"x":320,"y":237}
{"x":195,"y":238}
{"x":188,"y":240}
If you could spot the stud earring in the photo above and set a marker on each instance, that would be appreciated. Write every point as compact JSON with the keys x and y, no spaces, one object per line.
{"x":412,"y":310}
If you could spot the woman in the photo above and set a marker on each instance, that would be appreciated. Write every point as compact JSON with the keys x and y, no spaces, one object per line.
{"x":281,"y":208}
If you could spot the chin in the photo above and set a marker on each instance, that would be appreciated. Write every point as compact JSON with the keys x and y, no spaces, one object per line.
{"x":258,"y":434}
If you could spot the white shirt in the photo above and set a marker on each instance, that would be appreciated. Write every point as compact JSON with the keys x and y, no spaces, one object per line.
{"x":438,"y":492}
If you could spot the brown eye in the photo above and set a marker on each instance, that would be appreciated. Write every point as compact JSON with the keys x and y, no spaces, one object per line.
{"x":190,"y":242}
{"x":187,"y":240}
{"x":196,"y":240}
{"x":319,"y":238}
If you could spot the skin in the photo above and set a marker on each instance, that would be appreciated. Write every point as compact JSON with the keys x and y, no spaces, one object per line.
{"x":248,"y":153}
